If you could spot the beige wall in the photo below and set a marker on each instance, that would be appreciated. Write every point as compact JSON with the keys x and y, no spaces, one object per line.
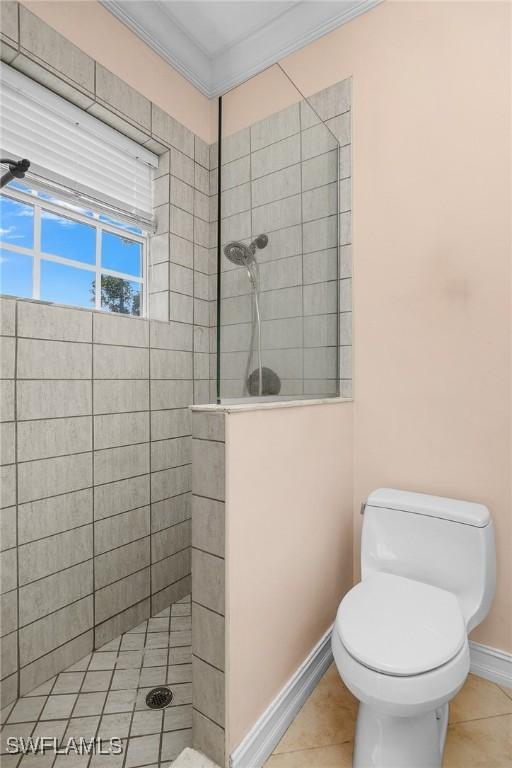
{"x":431,"y":252}
{"x":431,"y":127}
{"x":288,"y":545}
{"x":99,"y":34}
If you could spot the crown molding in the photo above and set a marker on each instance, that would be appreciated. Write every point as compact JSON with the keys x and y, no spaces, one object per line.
{"x":295,"y":29}
{"x":179,"y":50}
{"x":300,"y":25}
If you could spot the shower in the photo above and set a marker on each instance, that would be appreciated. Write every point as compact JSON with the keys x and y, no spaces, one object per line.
{"x":17,"y":170}
{"x":245,"y":256}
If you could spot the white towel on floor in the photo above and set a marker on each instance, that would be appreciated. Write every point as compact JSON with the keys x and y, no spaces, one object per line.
{"x":190,"y":758}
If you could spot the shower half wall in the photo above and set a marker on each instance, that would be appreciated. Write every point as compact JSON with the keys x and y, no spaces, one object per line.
{"x":288,"y":176}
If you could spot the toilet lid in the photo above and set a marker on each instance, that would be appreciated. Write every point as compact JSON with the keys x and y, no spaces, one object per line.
{"x":399,"y":626}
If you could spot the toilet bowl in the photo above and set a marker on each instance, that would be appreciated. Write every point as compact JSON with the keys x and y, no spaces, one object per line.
{"x":400,"y":640}
{"x":401,"y":648}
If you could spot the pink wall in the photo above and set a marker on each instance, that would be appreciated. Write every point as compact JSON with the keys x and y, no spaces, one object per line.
{"x":431,"y":252}
{"x":99,"y":34}
{"x":288,"y":548}
{"x":269,"y":92}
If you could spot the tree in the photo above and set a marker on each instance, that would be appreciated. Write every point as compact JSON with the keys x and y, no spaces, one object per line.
{"x":117,"y":295}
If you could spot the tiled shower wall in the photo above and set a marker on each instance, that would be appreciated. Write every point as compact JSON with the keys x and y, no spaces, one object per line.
{"x":289,"y":177}
{"x":95,"y":448}
{"x":212,"y":282}
{"x":181,"y":261}
{"x":96,"y":481}
{"x":208,"y":584}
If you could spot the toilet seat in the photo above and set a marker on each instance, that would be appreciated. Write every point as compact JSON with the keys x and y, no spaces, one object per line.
{"x":400,"y":627}
{"x":401,"y":695}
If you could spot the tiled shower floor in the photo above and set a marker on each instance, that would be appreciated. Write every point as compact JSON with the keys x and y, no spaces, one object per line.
{"x":103,"y":695}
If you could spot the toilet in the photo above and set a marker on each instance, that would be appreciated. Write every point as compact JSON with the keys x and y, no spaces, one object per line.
{"x":400,"y":639}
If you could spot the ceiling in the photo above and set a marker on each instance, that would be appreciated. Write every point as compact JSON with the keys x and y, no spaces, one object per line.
{"x":218,"y":44}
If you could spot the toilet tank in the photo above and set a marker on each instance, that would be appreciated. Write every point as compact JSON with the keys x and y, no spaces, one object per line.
{"x":443,"y":542}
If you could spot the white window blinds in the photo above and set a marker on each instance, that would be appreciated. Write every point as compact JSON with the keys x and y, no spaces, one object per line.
{"x":73,"y":154}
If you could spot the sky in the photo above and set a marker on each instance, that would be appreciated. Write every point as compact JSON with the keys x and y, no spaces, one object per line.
{"x":65,"y":237}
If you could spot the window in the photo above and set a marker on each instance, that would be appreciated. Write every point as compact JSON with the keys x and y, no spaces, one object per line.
{"x":75,"y":231}
{"x":59,"y":252}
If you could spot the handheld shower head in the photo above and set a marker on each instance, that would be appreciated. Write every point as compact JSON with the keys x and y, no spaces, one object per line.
{"x":243,"y":255}
{"x":239,"y":254}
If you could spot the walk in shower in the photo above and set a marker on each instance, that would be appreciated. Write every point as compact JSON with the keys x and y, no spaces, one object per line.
{"x":284,"y":299}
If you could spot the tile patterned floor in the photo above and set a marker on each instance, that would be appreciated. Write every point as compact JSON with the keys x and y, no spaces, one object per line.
{"x":104,"y":695}
{"x":479,"y":734}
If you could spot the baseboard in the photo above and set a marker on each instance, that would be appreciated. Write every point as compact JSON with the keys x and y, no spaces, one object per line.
{"x":491,"y":664}
{"x":267,"y":732}
{"x":265,"y":735}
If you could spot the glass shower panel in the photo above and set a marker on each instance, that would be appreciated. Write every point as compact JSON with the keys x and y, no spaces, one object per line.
{"x":278,"y":315}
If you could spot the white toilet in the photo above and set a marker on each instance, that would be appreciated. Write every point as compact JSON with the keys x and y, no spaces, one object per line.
{"x":400,"y":640}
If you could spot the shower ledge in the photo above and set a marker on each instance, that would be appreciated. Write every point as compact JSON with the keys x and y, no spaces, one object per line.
{"x":238,"y":407}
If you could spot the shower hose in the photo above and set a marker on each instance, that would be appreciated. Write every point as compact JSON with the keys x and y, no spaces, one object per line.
{"x":252,"y":271}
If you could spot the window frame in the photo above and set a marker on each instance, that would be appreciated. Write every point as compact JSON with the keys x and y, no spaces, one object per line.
{"x":94,"y":221}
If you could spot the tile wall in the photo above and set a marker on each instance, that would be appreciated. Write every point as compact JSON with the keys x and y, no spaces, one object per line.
{"x":181,"y":260}
{"x":213,"y":259}
{"x":96,"y":480}
{"x":289,"y":177}
{"x":208,"y":578}
{"x":39,"y":51}
{"x":95,"y":451}
{"x":182,"y":264}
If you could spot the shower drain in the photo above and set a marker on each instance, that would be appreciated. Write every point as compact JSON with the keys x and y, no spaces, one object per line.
{"x":158,"y":698}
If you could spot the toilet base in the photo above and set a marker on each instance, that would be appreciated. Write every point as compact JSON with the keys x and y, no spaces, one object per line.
{"x":382,"y":741}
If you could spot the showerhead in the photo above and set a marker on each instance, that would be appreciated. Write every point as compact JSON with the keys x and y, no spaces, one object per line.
{"x":243,"y":255}
{"x":239,"y":254}
{"x":17,"y":170}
